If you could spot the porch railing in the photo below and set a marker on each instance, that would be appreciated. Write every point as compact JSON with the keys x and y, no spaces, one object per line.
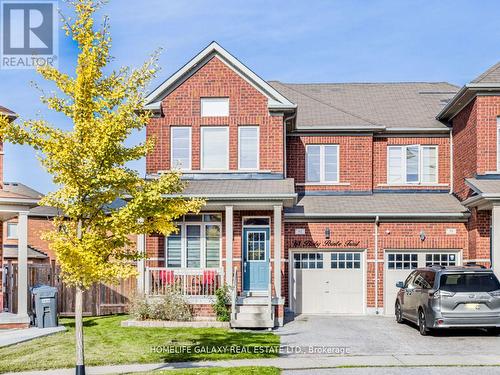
{"x":189,"y":282}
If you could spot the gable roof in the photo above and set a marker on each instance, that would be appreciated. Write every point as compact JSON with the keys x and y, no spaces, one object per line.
{"x":7,"y":112}
{"x":492,"y":75}
{"x":276,"y":99}
{"x":370,"y":106}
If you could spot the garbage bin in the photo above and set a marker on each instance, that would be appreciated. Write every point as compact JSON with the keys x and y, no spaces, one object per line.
{"x":45,"y":306}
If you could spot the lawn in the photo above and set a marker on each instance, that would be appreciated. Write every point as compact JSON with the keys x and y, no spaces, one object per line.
{"x":219,"y":371}
{"x":106,"y":343}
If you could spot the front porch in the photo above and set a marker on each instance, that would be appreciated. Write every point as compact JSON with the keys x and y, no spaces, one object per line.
{"x":250,"y":261}
{"x":11,"y":206}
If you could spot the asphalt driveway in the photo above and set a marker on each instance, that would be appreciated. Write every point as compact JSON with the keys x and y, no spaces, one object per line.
{"x":379,"y":335}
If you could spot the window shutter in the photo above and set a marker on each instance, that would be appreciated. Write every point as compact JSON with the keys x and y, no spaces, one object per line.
{"x":174,"y":249}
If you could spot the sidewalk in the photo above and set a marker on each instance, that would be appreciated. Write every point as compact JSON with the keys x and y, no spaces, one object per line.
{"x":15,"y":336}
{"x":296,"y":363}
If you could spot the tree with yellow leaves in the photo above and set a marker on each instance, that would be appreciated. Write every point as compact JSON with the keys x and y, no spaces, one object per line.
{"x":89,"y":164}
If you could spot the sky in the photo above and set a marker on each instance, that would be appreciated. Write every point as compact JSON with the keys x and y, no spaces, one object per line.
{"x":290,"y":41}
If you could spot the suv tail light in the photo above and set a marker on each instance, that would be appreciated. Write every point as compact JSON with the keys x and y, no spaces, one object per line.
{"x":495,"y":293}
{"x":442,"y":293}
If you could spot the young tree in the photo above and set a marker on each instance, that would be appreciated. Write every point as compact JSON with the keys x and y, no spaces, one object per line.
{"x":89,"y":164}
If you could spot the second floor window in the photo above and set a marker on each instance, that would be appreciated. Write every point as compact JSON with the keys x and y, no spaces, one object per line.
{"x":215,"y":148}
{"x":181,"y":148}
{"x":12,"y":230}
{"x":248,"y":147}
{"x":322,"y":163}
{"x":412,"y":164}
{"x":214,"y":107}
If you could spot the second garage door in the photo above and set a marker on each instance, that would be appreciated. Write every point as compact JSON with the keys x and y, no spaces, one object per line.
{"x":327,"y":282}
{"x":399,"y":264}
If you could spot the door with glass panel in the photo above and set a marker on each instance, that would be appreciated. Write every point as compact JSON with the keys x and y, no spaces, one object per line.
{"x":256,"y":259}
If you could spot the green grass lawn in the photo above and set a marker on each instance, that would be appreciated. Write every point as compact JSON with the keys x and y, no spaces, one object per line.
{"x":106,"y":343}
{"x":218,"y":371}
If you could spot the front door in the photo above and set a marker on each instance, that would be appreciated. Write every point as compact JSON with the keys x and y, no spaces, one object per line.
{"x":255,"y":259}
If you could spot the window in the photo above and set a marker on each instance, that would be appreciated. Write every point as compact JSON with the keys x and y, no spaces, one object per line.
{"x":214,"y":107}
{"x":180,"y":144}
{"x":440,"y":259}
{"x":248,"y":147}
{"x":322,"y":163}
{"x":346,"y":260}
{"x":308,"y":260}
{"x":402,"y":261}
{"x":469,"y":283}
{"x":197,"y":244}
{"x":424,"y":279}
{"x":12,"y":230}
{"x":412,"y":164}
{"x":256,"y":221}
{"x":215,"y":148}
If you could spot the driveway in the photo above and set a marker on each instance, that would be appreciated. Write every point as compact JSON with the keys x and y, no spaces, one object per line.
{"x":379,"y":335}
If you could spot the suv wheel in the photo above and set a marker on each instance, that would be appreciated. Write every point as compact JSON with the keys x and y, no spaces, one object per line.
{"x":398,"y":312}
{"x":422,"y":324}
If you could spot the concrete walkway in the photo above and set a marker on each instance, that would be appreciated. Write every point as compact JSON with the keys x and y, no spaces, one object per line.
{"x":15,"y":336}
{"x":298,"y":363}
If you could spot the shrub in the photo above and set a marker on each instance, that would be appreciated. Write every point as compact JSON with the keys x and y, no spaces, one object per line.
{"x":171,"y":306}
{"x":220,"y":306}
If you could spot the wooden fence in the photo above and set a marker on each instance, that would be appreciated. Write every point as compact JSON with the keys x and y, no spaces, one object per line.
{"x":101,"y":299}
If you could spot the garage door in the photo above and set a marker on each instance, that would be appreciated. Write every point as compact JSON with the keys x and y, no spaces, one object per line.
{"x":327,"y":283}
{"x":399,"y":264}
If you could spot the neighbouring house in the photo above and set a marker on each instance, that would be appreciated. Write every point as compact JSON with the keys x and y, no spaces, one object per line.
{"x":16,"y":201}
{"x":320,"y":197}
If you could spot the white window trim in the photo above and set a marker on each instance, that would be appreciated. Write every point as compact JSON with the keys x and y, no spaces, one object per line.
{"x":322,"y":179}
{"x":203,"y":247}
{"x":239,"y":148}
{"x":190,"y":148}
{"x":12,"y":237}
{"x":420,"y":166}
{"x":203,"y":128}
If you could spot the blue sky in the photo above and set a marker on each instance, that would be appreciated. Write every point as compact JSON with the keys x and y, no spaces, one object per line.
{"x":291,"y":41}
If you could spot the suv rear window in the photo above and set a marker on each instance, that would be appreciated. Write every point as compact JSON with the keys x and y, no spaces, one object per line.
{"x":469,"y":282}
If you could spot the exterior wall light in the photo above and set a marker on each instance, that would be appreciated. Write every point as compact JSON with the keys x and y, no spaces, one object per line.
{"x":327,"y":233}
{"x":422,"y":235}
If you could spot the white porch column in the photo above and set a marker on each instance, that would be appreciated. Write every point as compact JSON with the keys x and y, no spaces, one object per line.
{"x":277,"y":250}
{"x":141,"y":249}
{"x":229,"y":244}
{"x":22,"y":260}
{"x":495,"y":236}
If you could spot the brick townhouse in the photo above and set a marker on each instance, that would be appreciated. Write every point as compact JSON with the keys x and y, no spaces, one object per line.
{"x":320,"y":197}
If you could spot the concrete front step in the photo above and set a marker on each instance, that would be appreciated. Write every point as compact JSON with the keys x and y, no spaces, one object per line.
{"x":253,"y":316}
{"x":252,"y":323}
{"x":251,"y":308}
{"x":252,"y":301}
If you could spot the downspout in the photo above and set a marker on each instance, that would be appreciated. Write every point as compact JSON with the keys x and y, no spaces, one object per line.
{"x":284,"y":141}
{"x":376,"y":263}
{"x":451,"y":161}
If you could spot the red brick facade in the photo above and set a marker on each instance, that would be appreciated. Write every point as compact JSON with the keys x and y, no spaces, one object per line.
{"x":247,"y":106}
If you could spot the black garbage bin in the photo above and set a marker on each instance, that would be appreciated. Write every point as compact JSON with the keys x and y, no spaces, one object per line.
{"x":45,"y":298}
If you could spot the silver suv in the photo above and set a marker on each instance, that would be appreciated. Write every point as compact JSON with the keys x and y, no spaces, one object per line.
{"x":449,"y":297}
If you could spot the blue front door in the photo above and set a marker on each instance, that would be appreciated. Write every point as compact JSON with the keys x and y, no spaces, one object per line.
{"x":255,"y":259}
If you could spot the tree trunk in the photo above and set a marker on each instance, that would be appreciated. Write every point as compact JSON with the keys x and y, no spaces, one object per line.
{"x":80,"y":361}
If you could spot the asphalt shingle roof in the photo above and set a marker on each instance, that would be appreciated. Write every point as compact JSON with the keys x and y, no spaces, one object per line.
{"x":390,"y":105}
{"x":492,"y":75}
{"x":378,"y":203}
{"x":16,"y":189}
{"x":234,"y":187}
{"x":484,"y":186}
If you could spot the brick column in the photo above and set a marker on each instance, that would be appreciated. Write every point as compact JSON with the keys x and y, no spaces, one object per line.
{"x":495,"y":236}
{"x":277,"y":250}
{"x":229,"y":244}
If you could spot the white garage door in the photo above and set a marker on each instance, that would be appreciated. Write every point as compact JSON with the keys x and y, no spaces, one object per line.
{"x":399,"y":264}
{"x":327,"y":283}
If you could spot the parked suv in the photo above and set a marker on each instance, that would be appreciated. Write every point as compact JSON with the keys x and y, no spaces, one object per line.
{"x":449,"y":297}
